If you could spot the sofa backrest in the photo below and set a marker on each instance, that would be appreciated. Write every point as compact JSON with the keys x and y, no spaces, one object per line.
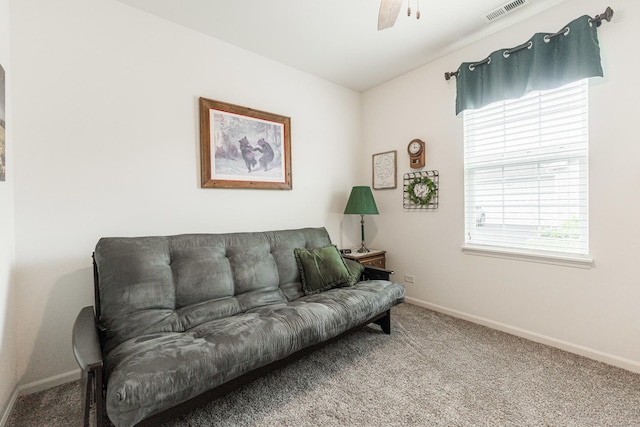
{"x":171,"y":284}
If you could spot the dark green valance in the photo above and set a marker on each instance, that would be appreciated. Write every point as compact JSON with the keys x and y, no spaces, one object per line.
{"x":545,"y":61}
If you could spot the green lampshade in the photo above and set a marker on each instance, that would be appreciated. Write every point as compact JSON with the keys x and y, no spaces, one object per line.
{"x":361,"y":202}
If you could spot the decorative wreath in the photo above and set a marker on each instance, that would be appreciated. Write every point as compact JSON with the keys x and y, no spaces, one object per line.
{"x":431,"y":190}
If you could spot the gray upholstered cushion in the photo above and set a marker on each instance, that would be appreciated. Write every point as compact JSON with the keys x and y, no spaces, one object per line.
{"x":156,"y":371}
{"x":173,"y":283}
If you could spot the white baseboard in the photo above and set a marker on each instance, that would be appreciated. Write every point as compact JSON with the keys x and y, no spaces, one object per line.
{"x":36,"y":386}
{"x":56,"y":380}
{"x":610,"y":359}
{"x":7,"y":409}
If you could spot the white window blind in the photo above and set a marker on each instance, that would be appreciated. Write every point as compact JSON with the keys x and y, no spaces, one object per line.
{"x":526,"y":172}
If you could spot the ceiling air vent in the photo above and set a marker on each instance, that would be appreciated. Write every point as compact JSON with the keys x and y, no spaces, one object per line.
{"x":501,"y":11}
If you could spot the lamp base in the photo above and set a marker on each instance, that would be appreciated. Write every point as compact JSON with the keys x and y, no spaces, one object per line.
{"x":363,"y":249}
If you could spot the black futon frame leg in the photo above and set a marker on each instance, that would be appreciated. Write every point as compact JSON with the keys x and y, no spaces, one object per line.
{"x":92,"y":394}
{"x":86,"y":348}
{"x":385,"y":323}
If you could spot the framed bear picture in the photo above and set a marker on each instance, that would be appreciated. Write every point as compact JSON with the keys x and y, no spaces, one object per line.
{"x":243,"y":148}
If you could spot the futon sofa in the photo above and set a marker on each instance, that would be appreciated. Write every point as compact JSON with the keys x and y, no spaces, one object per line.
{"x":180,"y":320}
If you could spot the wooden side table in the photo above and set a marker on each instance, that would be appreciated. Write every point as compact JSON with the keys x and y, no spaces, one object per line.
{"x":374,"y":258}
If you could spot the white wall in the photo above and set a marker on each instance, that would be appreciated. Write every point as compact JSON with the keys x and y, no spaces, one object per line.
{"x":107,"y":144}
{"x":593,"y":312}
{"x":8,"y":351}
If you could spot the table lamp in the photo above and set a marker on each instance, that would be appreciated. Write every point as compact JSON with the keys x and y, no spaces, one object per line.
{"x":361,"y":203}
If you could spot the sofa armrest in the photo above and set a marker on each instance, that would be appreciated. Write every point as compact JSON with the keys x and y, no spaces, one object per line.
{"x":376,"y":273}
{"x":86,"y":344}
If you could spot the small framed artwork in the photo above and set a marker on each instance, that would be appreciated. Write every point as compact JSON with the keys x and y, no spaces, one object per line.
{"x":384,"y":167}
{"x":243,"y":148}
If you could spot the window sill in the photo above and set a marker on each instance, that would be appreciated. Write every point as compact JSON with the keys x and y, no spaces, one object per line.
{"x":575,"y":261}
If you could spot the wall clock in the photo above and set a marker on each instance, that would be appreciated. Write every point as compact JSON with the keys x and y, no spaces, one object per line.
{"x":416,"y":153}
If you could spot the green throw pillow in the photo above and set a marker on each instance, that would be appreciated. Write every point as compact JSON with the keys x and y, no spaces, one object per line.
{"x":321,"y":269}
{"x":355,"y":271}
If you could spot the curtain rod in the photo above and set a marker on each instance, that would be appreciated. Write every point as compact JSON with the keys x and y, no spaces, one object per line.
{"x":597,"y":21}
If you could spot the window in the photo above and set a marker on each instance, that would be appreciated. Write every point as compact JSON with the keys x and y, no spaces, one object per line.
{"x":526,"y":173}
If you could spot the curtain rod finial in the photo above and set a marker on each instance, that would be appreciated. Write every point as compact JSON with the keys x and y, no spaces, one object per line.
{"x":449,"y":74}
{"x":606,"y":15}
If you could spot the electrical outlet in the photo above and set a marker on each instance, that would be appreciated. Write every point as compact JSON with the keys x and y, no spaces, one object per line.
{"x":408,"y":278}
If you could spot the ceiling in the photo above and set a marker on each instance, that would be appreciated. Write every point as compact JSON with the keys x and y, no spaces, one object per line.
{"x":338,"y":40}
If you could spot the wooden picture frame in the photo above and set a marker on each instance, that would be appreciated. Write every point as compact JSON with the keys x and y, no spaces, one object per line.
{"x":384,"y":170}
{"x":243,"y":148}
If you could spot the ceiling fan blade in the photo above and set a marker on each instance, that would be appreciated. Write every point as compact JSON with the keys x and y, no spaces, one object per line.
{"x":389,"y":10}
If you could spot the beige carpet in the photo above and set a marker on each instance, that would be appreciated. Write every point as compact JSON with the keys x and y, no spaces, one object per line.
{"x":433,"y":370}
